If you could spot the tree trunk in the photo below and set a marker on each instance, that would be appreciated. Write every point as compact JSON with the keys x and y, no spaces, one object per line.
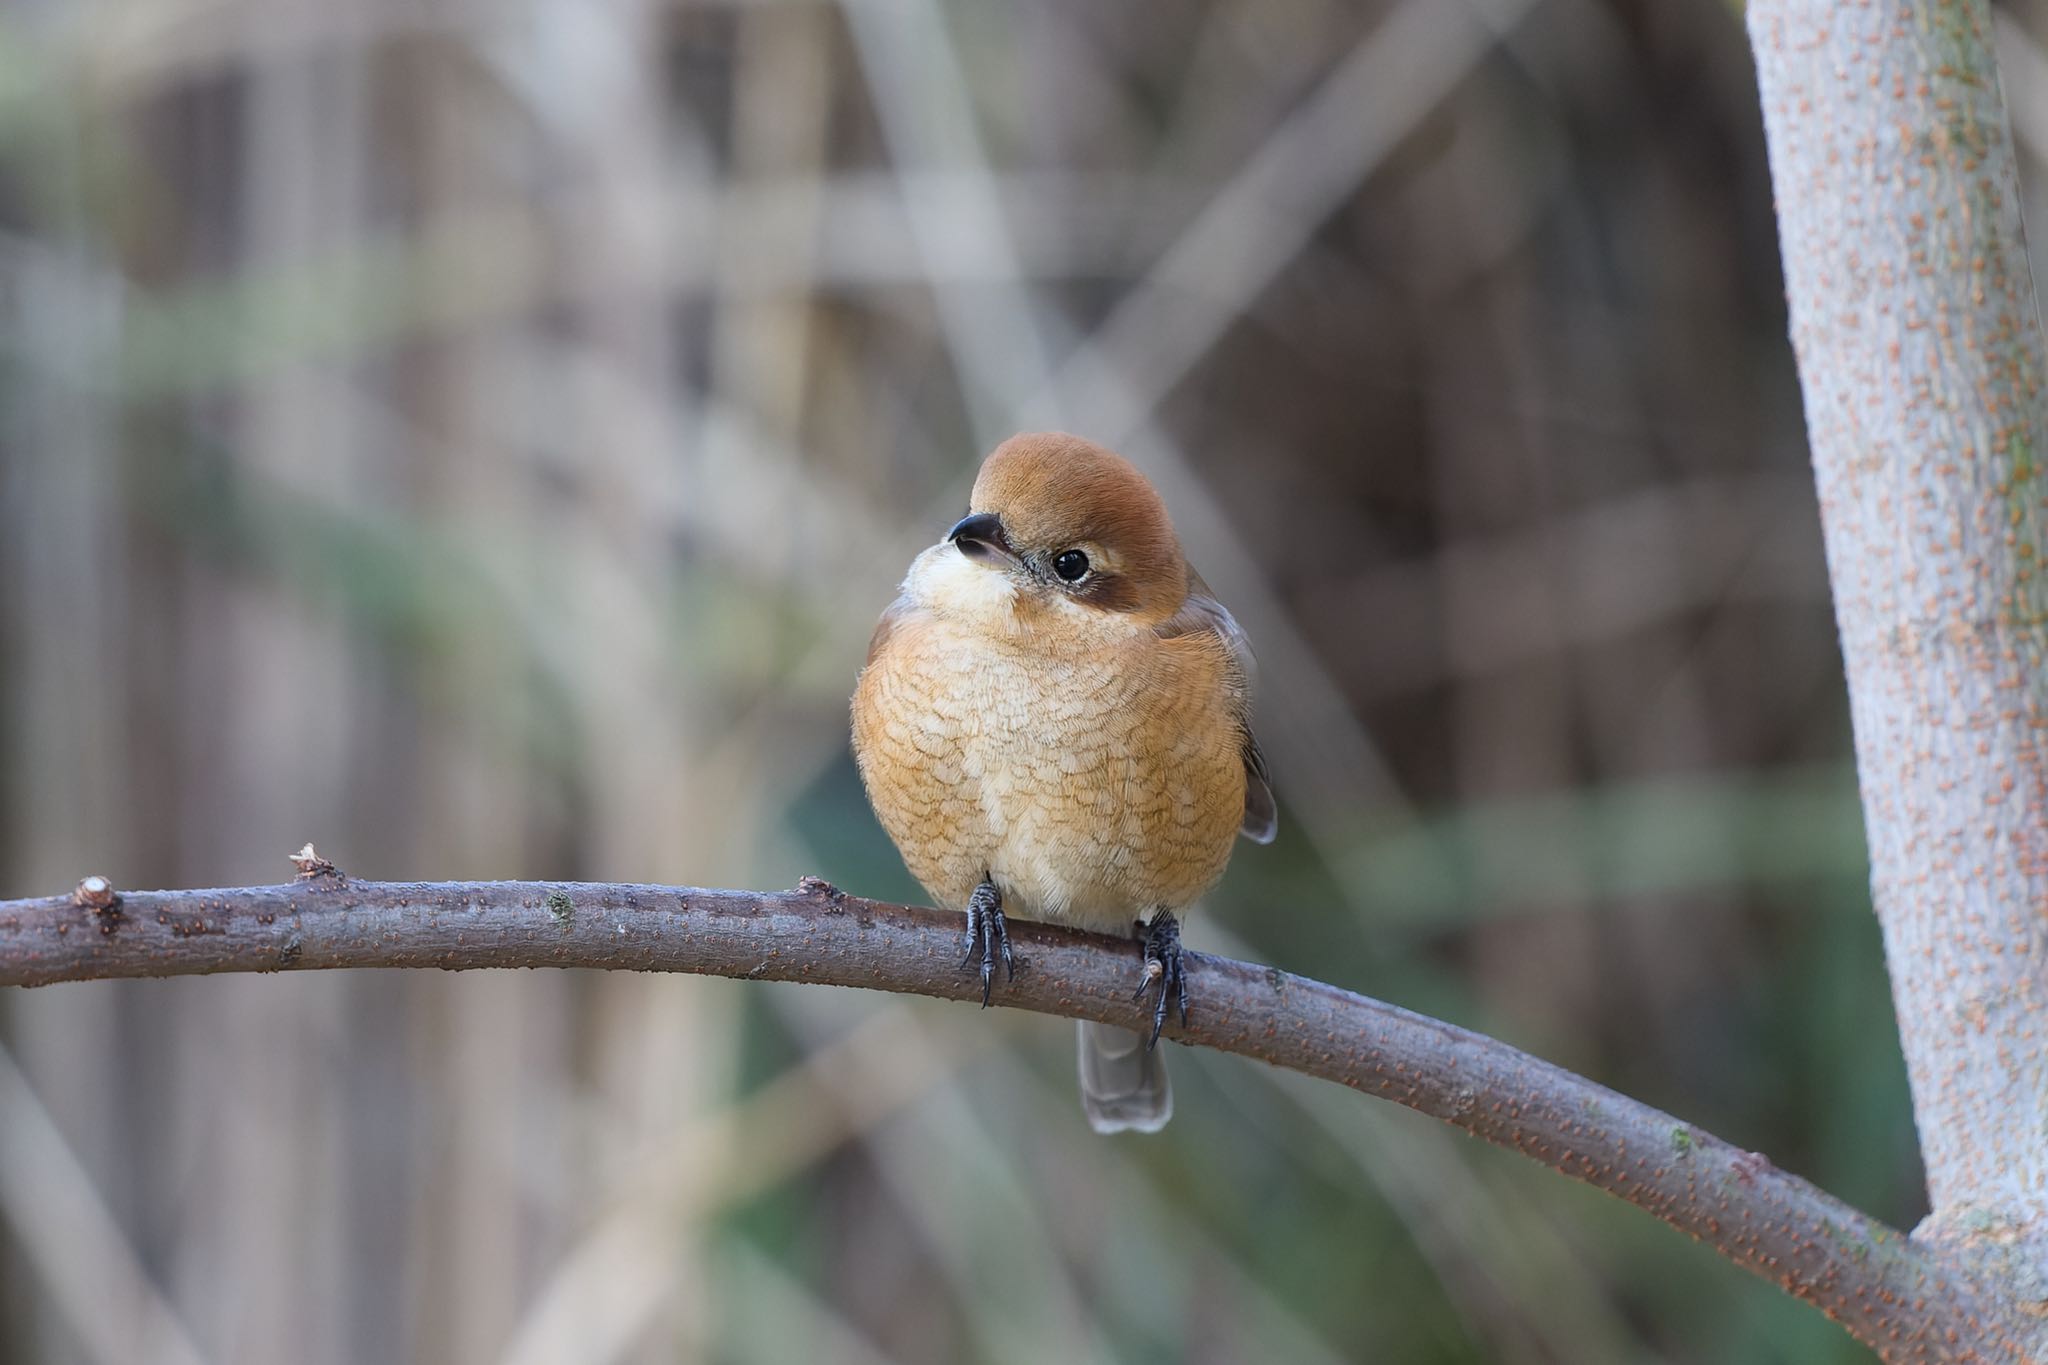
{"x":1919,"y":345}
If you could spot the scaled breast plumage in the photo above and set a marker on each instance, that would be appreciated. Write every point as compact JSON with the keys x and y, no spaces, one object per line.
{"x":1093,"y":784}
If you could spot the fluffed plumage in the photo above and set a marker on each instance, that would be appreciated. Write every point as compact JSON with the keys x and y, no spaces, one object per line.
{"x":1056,"y":704}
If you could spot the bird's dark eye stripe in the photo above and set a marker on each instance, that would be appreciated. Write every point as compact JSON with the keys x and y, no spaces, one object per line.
{"x":1072,"y":565}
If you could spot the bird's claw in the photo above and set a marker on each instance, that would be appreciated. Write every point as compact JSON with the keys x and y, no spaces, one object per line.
{"x":1164,"y":967}
{"x":988,"y":937}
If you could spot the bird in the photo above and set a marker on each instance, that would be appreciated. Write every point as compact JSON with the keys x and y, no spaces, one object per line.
{"x":1054,"y":719}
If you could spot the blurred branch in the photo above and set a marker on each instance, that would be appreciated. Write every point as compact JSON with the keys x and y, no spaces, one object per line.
{"x":1902,"y":1297}
{"x":89,"y":1268}
{"x":604,"y":1295}
{"x":1271,"y":208}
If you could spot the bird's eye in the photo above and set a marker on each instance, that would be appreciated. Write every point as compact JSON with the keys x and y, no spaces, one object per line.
{"x":1071,"y":565}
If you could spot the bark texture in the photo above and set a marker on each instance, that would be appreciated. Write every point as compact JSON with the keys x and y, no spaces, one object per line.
{"x":1919,"y":344}
{"x":1906,"y":1299}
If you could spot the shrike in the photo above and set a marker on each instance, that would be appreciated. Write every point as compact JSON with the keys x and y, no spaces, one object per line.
{"x":1055,"y":718}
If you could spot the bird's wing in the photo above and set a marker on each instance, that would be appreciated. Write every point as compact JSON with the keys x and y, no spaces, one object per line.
{"x":892,"y":616}
{"x":1203,"y":614}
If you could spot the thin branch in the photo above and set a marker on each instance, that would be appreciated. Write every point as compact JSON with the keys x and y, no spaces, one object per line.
{"x":1905,"y":1299}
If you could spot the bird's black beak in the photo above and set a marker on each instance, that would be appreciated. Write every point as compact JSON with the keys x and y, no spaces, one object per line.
{"x":980,"y":536}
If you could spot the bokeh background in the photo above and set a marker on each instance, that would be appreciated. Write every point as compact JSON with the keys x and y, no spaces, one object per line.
{"x":479,"y":437}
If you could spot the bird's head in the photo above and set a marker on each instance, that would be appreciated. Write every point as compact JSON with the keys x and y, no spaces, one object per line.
{"x":1058,"y":529}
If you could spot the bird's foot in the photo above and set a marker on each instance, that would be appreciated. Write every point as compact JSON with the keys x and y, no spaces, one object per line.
{"x":988,"y":937}
{"x":1165,"y":969}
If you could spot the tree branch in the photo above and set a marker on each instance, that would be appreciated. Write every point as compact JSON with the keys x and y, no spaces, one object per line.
{"x":1907,"y":1300}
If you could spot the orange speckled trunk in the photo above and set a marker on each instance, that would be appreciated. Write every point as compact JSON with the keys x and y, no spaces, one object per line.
{"x":1919,"y":344}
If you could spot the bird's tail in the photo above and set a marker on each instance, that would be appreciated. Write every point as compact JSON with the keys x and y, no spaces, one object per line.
{"x":1123,"y":1083}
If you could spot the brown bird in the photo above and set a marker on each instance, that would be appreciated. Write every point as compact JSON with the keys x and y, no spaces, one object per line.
{"x":1055,"y":717}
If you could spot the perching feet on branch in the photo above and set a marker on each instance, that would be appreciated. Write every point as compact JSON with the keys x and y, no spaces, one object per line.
{"x":988,"y":937}
{"x":1163,"y":967}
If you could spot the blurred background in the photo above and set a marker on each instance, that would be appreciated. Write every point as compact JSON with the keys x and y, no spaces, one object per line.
{"x":479,"y":438}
